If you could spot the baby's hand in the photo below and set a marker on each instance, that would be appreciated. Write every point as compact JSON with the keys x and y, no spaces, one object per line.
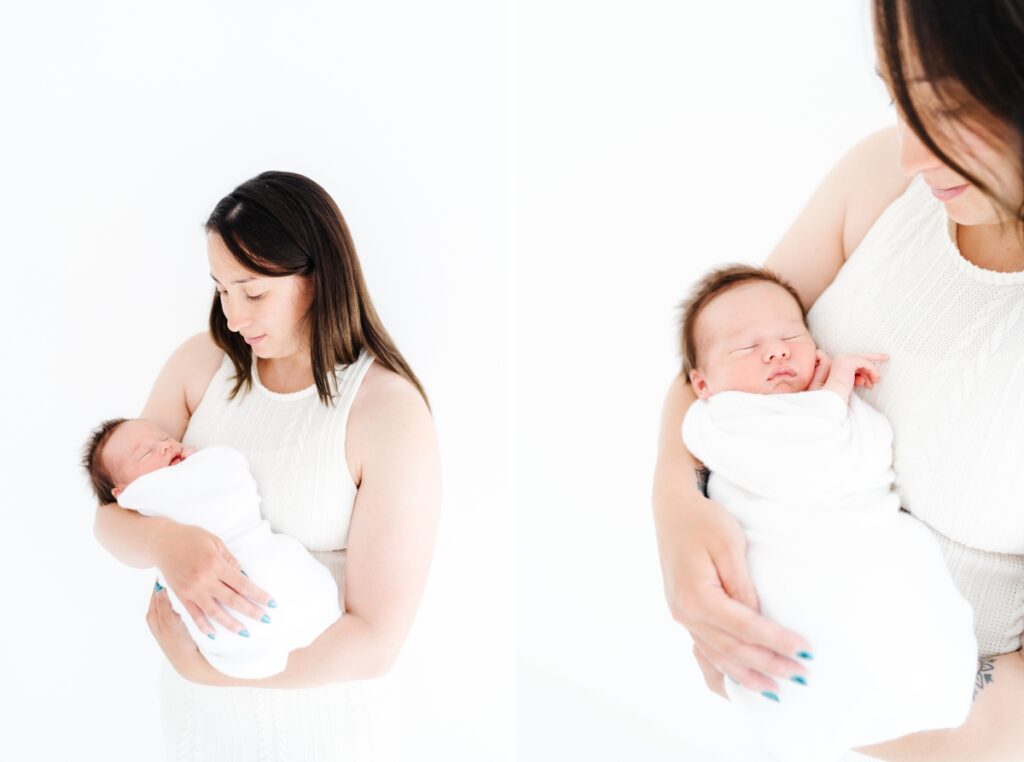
{"x":822,"y":365}
{"x":849,"y":371}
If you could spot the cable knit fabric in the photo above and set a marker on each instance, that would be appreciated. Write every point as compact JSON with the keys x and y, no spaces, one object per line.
{"x":952,"y":390}
{"x":296,"y":450}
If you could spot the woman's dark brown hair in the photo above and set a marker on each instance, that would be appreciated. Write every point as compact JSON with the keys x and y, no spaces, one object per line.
{"x":971,"y":56}
{"x":282,"y":223}
{"x":714,"y":284}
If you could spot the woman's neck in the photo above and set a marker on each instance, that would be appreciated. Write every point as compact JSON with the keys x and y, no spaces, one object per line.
{"x":992,"y":247}
{"x":285,"y":374}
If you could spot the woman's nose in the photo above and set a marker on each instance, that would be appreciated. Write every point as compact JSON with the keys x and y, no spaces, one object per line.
{"x":915,"y":156}
{"x":237,"y":318}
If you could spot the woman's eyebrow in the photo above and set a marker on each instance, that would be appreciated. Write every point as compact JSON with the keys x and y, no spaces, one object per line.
{"x":241,"y":280}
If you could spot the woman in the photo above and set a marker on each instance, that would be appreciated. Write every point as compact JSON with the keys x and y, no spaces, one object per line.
{"x":913,"y":245}
{"x":298,"y":373}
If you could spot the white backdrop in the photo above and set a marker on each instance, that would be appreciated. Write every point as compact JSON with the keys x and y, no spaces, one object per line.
{"x":124,"y":124}
{"x":652,"y":140}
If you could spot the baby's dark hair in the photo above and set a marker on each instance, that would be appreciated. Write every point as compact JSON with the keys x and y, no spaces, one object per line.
{"x":714,"y":284}
{"x":92,"y":460}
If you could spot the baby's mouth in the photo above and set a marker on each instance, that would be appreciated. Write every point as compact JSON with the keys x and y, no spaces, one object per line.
{"x":782,"y":372}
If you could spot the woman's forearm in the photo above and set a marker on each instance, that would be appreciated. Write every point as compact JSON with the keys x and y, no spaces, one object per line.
{"x":675,"y":482}
{"x":127,"y":535}
{"x":350,"y":649}
{"x":992,"y":733}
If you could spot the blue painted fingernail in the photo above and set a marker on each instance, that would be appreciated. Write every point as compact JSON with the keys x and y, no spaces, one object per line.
{"x":770,"y":695}
{"x":244,"y":633}
{"x":733,"y":680}
{"x":805,"y":655}
{"x":243,"y":572}
{"x":799,"y":679}
{"x":272,"y":603}
{"x":157,"y":586}
{"x":265,"y":619}
{"x":211,"y":636}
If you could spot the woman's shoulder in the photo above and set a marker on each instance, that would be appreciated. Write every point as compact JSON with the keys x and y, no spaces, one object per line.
{"x":389,"y":420}
{"x":196,"y":360}
{"x":839,"y":214}
{"x":383,"y":392}
{"x":182,"y":382}
{"x":872,"y":175}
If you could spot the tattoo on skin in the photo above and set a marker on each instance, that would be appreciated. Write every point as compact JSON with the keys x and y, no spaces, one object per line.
{"x":986,"y":671}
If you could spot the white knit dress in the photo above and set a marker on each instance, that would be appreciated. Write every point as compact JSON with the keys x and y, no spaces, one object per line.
{"x":953,"y":391}
{"x":296,"y":450}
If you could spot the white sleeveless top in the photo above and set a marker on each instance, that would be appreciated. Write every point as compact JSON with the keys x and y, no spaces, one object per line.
{"x":954,"y":386}
{"x":296,"y":450}
{"x":295,"y":446}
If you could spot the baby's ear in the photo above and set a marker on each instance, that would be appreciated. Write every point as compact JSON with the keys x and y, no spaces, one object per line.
{"x":699,"y":384}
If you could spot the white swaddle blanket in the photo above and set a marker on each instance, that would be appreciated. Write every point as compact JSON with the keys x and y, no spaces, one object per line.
{"x":215,"y":490}
{"x":834,"y":559}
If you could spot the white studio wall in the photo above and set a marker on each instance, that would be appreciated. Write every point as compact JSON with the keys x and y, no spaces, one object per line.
{"x":651,"y":141}
{"x":125,"y":123}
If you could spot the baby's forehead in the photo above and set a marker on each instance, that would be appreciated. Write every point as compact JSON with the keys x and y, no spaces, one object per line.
{"x":747,"y":307}
{"x":128,"y":434}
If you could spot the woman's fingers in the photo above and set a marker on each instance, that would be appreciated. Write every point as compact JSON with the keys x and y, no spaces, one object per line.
{"x":713,"y":676}
{"x":242,"y":605}
{"x":159,"y":609}
{"x":754,"y":641}
{"x":728,"y":670}
{"x":240,"y":583}
{"x":217,"y":613}
{"x":200,"y":619}
{"x":731,"y":564}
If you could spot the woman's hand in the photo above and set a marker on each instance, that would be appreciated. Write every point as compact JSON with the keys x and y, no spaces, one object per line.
{"x":703,"y":560}
{"x":715,"y":680}
{"x":206,"y":578}
{"x":174,"y":640}
{"x":710,"y":593}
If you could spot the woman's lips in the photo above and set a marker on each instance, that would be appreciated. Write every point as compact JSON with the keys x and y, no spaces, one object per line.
{"x":255,"y":340}
{"x":948,"y":194}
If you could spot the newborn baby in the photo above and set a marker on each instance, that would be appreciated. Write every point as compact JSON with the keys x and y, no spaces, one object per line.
{"x":146,"y":470}
{"x":805,"y":467}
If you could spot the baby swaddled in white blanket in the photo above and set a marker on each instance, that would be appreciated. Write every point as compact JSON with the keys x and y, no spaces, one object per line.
{"x":213,"y":488}
{"x":805,"y":467}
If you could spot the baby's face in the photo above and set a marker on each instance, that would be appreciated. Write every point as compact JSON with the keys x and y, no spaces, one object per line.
{"x":753,"y":339}
{"x":137,"y":447}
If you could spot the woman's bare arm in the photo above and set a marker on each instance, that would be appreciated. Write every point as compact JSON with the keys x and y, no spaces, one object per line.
{"x":390,"y":545}
{"x":703,"y":558}
{"x":196,"y":564}
{"x":701,"y":547}
{"x":992,"y":733}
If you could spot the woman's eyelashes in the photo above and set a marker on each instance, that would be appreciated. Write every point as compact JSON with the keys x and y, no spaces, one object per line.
{"x":253,"y":298}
